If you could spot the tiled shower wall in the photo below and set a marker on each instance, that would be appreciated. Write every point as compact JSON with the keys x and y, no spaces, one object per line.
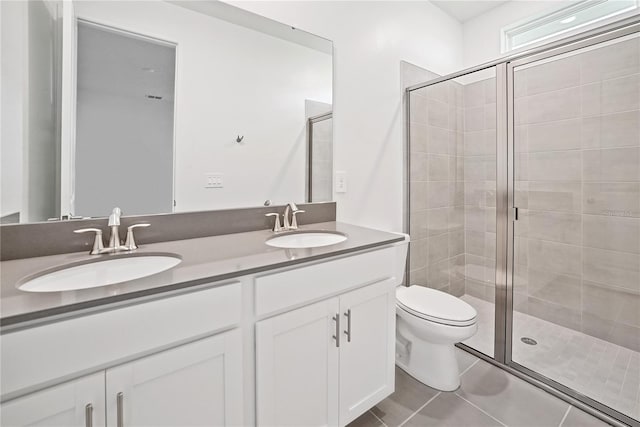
{"x":578,"y":180}
{"x":452,"y":179}
{"x":320,"y":141}
{"x":480,"y":187}
{"x":322,"y":157}
{"x":577,"y":143}
{"x":436,"y":182}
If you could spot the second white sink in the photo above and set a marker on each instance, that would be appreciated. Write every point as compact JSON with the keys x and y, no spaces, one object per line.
{"x":306,"y":239}
{"x":101,"y":272}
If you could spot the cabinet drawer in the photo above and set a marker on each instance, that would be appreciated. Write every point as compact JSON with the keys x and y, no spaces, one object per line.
{"x":305,"y":284}
{"x":45,"y":354}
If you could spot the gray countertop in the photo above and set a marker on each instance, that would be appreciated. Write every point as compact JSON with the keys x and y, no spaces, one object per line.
{"x":204,"y":260}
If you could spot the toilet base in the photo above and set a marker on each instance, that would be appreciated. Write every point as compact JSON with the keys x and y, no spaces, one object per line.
{"x":434,"y":365}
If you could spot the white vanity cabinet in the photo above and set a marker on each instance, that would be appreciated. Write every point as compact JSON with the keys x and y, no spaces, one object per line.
{"x":367,"y":359}
{"x":170,"y":361}
{"x":329,"y":362}
{"x":77,"y":403}
{"x":308,"y":344}
{"x":196,"y":384}
{"x":297,"y":367}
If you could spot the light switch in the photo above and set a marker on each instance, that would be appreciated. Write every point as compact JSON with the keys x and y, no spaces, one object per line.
{"x":213,"y":180}
{"x":341,"y":182}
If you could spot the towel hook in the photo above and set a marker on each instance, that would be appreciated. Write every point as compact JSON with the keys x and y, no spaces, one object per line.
{"x":239,"y":139}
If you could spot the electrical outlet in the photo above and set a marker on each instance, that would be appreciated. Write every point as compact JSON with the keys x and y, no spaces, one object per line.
{"x":341,"y":182}
{"x":213,"y":180}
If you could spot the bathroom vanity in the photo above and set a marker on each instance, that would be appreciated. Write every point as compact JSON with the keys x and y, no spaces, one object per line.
{"x":238,"y":333}
{"x":213,"y":320}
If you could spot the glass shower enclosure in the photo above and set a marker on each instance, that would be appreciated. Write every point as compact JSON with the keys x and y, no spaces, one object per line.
{"x":523,"y":193}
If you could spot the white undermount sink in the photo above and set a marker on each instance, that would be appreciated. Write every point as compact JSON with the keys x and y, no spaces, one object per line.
{"x":306,"y":239}
{"x":99,"y":272}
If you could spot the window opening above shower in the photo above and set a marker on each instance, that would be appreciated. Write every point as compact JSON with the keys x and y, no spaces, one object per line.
{"x":570,"y":20}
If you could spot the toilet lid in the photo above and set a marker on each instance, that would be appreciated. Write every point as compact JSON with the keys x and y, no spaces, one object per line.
{"x":436,"y":306}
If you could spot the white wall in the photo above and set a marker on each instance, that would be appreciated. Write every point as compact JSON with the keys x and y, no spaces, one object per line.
{"x":222,"y":70}
{"x":13,"y":49}
{"x":370,"y":39}
{"x":30,"y":142}
{"x":40,"y":168}
{"x":482,"y":33}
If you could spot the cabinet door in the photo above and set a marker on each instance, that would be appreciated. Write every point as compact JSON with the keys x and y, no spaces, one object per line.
{"x":297,"y":367}
{"x":195,"y":384}
{"x":63,"y":405}
{"x":367,"y":350}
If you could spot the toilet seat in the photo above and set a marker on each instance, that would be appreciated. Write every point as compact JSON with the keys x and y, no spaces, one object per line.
{"x":435,"y":306}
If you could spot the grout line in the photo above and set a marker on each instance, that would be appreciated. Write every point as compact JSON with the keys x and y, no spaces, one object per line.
{"x":470,"y":366}
{"x":420,"y":409}
{"x":377,"y":418}
{"x":572,"y":149}
{"x":624,"y":378}
{"x":481,"y":410}
{"x":565,"y":416}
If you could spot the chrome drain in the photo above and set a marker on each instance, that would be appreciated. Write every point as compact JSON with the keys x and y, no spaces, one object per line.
{"x":528,"y":341}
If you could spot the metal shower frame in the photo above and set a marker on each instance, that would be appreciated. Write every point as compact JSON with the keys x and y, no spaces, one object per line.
{"x":311,"y":121}
{"x":506,"y":211}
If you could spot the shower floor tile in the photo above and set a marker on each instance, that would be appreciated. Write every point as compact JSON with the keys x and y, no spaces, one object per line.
{"x":598,"y":369}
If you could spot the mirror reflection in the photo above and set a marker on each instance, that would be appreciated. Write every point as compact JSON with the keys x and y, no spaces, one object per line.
{"x":158,"y":107}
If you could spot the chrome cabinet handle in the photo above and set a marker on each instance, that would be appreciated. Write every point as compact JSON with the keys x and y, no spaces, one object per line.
{"x":336,"y":337}
{"x":88,"y":415}
{"x":120,"y":409}
{"x":347,"y":314}
{"x":98,"y":244}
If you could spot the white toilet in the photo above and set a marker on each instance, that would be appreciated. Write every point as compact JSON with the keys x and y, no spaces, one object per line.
{"x":429,"y":323}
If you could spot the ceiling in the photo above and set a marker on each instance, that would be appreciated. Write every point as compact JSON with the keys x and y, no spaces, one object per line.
{"x":463,"y":10}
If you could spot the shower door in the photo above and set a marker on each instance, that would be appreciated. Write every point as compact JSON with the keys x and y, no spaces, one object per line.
{"x":452,"y":130}
{"x":575,"y":270}
{"x":523,"y":185}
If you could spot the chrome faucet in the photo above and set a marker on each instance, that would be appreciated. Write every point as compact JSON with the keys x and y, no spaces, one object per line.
{"x":115,"y":245}
{"x":291,"y":210}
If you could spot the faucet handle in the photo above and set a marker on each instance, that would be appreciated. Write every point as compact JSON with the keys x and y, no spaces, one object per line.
{"x":276,"y":226}
{"x":294,"y":221}
{"x":98,"y":244}
{"x":130,"y":243}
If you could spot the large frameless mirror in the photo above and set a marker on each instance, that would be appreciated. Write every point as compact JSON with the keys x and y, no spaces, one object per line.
{"x":157,"y":107}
